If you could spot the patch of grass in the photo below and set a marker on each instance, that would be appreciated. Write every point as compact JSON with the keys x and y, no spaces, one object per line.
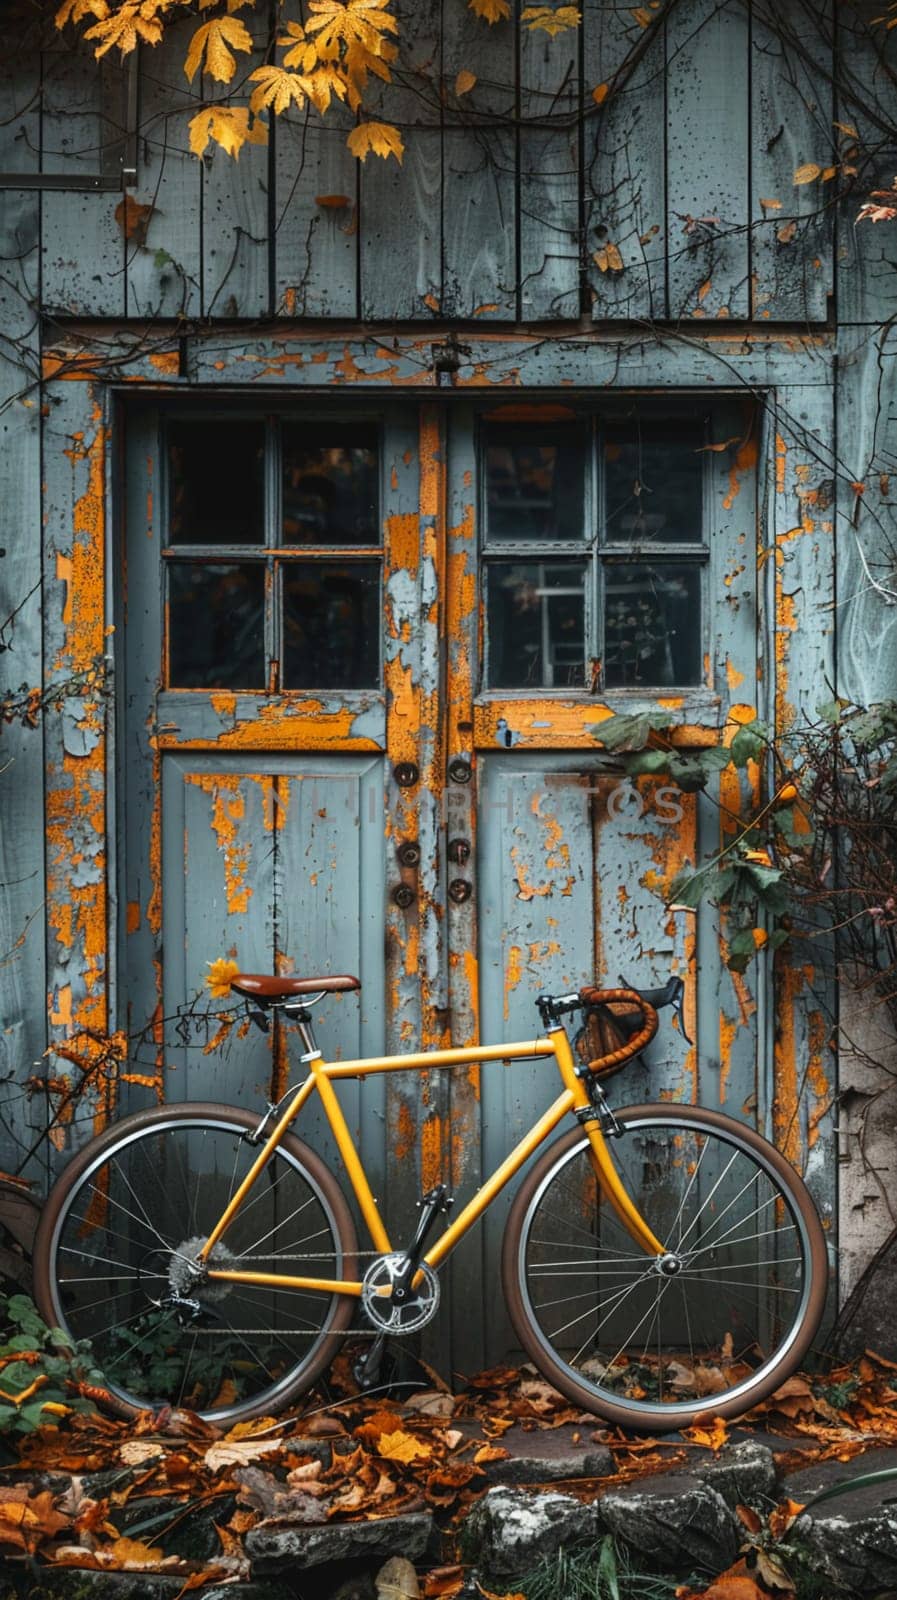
{"x":606,"y":1571}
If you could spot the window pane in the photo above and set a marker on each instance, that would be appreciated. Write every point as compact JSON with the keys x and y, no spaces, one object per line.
{"x":216,"y":482}
{"x":216,"y":626}
{"x":331,"y":625}
{"x":653,"y":477}
{"x":536,"y":625}
{"x":534,"y":480}
{"x":330,"y":485}
{"x":652,"y":624}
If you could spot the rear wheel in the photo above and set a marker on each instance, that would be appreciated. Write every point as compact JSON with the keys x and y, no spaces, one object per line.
{"x":710,"y":1327}
{"x":115,"y":1261}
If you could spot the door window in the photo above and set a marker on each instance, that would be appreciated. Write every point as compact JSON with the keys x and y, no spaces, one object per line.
{"x":596,"y":543}
{"x":273,"y":554}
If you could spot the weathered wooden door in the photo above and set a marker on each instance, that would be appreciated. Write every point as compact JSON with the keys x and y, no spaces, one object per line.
{"x":602,"y":558}
{"x":255,"y":737}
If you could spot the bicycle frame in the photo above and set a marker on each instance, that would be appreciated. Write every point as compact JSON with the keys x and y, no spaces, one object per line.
{"x":321,"y":1077}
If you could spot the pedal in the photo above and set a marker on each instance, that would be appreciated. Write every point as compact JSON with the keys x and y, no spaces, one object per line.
{"x":366,"y":1370}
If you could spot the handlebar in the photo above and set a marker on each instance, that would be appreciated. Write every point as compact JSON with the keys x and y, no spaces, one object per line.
{"x":637,"y":1031}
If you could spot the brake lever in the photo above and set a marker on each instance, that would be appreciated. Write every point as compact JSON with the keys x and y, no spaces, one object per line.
{"x":678,"y":1004}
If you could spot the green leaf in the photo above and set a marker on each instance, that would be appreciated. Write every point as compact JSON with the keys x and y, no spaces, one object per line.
{"x":748,"y":744}
{"x":630,"y":733}
{"x":832,"y":711}
{"x":689,"y":887}
{"x":608,"y":1573}
{"x":689,"y":774}
{"x":647,"y":761}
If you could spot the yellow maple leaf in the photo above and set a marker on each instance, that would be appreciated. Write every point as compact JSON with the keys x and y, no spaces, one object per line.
{"x":551,"y":21}
{"x":217,"y":40}
{"x":77,"y":10}
{"x":400,"y":1446}
{"x":222,"y":971}
{"x":379,"y":137}
{"x":490,"y":10}
{"x":464,"y":82}
{"x":228,"y":126}
{"x":277,"y":89}
{"x":359,"y":22}
{"x":124,"y":29}
{"x":302,"y":52}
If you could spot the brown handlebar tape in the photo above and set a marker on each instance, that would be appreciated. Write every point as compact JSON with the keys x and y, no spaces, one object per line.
{"x":632,"y":1047}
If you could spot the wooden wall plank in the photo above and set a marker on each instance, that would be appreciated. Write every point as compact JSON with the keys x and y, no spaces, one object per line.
{"x":75,"y":467}
{"x":23,"y":1028}
{"x":866,"y":397}
{"x":867,"y":265}
{"x":82,"y":232}
{"x":399,"y":207}
{"x":549,"y":174}
{"x":624,"y":171}
{"x":20,"y":88}
{"x":235,"y":218}
{"x":708,"y":136}
{"x":316,"y":216}
{"x":802,"y":596}
{"x":163,"y":252}
{"x":479,"y":188}
{"x":792,"y":225}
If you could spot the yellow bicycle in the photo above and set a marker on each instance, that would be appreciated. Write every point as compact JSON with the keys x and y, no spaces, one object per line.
{"x":659,"y":1263}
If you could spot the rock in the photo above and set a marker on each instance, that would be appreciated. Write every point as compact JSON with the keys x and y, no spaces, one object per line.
{"x":851,"y":1539}
{"x":744,"y":1474}
{"x":77,"y":1583}
{"x":509,"y":1530}
{"x":548,"y":1455}
{"x":674,"y":1520}
{"x":275,"y":1544}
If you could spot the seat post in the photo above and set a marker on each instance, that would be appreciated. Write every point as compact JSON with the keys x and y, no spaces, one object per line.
{"x":307,"y":1032}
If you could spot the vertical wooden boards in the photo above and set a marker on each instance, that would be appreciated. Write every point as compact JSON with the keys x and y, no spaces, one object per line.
{"x":235,"y":213}
{"x":624,"y":178}
{"x":866,"y":263}
{"x":792,"y":225}
{"x":20,"y":88}
{"x":23,"y":1032}
{"x":217,"y":878}
{"x":535,"y":869}
{"x":708,"y":136}
{"x":75,"y":473}
{"x":82,"y":232}
{"x":467,"y":1282}
{"x":803,"y":596}
{"x":866,"y":399}
{"x":549,"y":98}
{"x":316,"y":216}
{"x":399,"y":217}
{"x":329,"y":918}
{"x":479,"y":178}
{"x":163,"y":244}
{"x":643,"y":833}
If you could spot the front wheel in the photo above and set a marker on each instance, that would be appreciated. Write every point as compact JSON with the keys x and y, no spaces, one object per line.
{"x":710,"y":1327}
{"x":115,"y":1254}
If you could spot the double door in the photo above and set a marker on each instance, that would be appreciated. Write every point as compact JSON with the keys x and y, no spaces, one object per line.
{"x":366,"y":655}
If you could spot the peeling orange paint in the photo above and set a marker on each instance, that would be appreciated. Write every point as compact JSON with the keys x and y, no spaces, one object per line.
{"x":744,"y":464}
{"x":431,"y":1152}
{"x":403,"y":534}
{"x":405,"y":1132}
{"x":513,"y":975}
{"x":168,"y":362}
{"x":228,"y":812}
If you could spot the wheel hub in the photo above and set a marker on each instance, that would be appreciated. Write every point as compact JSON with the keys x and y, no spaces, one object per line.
{"x":668,"y":1265}
{"x":188,"y":1275}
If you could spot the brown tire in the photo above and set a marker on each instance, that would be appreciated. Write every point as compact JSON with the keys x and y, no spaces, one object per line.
{"x":127,"y":1214}
{"x":715,"y":1324}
